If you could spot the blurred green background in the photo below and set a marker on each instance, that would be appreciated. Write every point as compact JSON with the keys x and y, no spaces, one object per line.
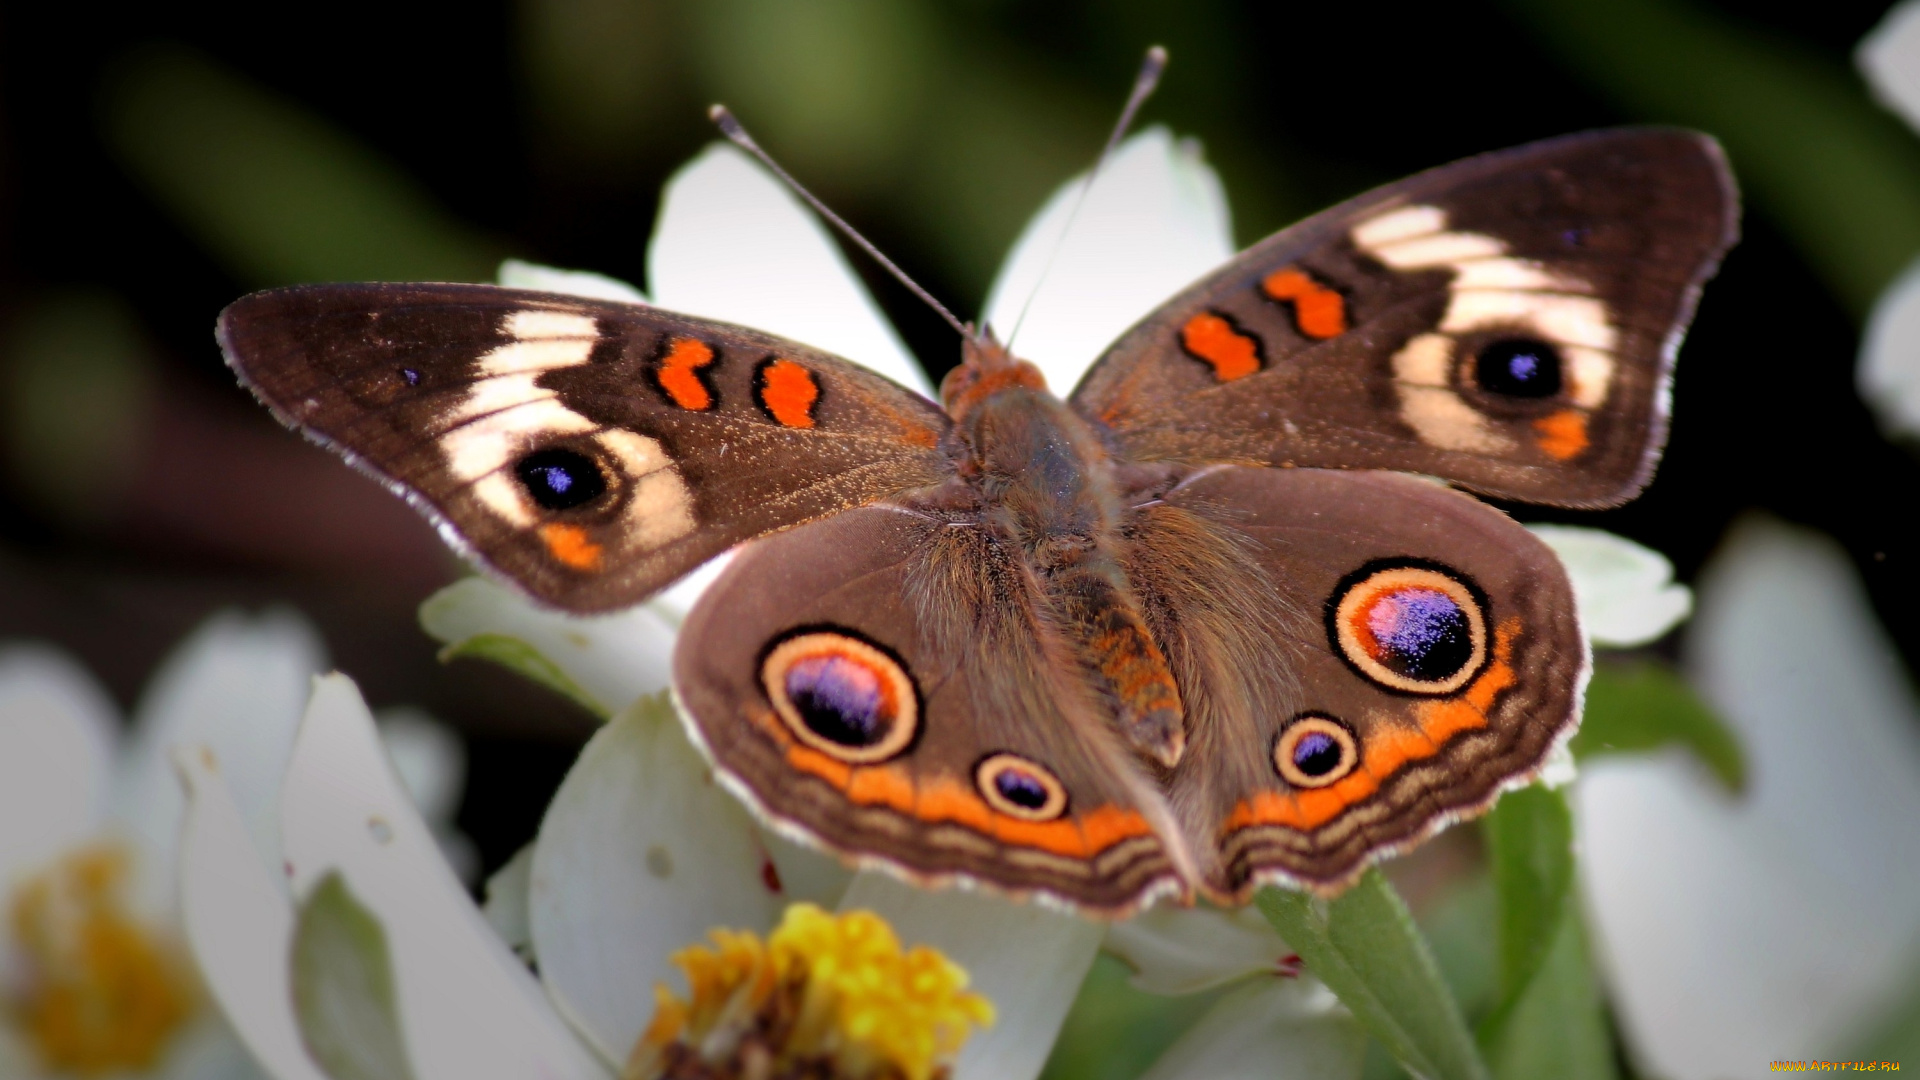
{"x":157,"y":161}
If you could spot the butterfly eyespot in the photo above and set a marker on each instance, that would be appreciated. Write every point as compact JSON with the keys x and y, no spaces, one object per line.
{"x":1315,"y":750}
{"x":1416,"y":629}
{"x":410,"y":376}
{"x":1518,"y":368}
{"x":1020,"y":788}
{"x":560,"y":479}
{"x":842,"y":696}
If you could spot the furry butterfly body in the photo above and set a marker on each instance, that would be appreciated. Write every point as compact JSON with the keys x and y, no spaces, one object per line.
{"x":1188,"y":630}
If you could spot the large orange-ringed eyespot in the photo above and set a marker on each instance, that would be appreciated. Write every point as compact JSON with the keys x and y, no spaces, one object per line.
{"x":1315,"y":750}
{"x":1020,"y":788}
{"x":847,"y":698}
{"x":1413,"y":628}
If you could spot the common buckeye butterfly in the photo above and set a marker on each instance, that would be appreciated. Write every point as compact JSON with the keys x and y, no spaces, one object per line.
{"x":1191,"y":629}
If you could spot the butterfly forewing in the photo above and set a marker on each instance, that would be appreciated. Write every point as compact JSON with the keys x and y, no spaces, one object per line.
{"x":590,"y":451}
{"x":1508,"y":322}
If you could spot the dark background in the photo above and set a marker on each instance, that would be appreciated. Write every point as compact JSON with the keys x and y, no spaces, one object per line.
{"x":142,"y":489}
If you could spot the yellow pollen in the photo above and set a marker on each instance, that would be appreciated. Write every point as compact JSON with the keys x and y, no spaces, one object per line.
{"x":826,"y":995}
{"x":101,"y":993}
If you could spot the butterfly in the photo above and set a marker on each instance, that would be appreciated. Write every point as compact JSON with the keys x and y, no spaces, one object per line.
{"x":1227,"y":614}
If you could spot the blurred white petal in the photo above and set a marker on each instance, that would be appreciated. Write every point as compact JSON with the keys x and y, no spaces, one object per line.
{"x":641,"y":854}
{"x":237,"y":685}
{"x":57,"y":735}
{"x":1028,"y":960}
{"x":1889,"y":369}
{"x":206,"y":1051}
{"x":1889,"y":57}
{"x":430,"y":758}
{"x":470,"y":1009}
{"x":1270,"y":1029}
{"x":1176,"y":950}
{"x":1736,"y":932}
{"x":1155,"y":220}
{"x":806,"y":873}
{"x":732,"y":243}
{"x":1625,"y":592}
{"x":238,"y":921}
{"x":606,"y":660}
{"x":506,"y":900}
{"x":516,"y":274}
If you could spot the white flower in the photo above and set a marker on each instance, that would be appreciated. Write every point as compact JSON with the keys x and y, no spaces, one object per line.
{"x":1735,"y":931}
{"x":80,"y":802}
{"x":1889,"y":370}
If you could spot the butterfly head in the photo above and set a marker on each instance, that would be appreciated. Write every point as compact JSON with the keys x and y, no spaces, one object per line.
{"x":986,"y":367}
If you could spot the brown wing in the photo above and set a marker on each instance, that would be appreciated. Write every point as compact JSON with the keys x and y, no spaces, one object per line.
{"x":878,"y":683}
{"x":1364,"y":658}
{"x":1507,"y":322}
{"x":589,"y":451}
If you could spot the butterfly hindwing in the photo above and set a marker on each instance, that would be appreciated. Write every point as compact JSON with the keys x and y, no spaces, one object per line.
{"x":1507,"y":322}
{"x":1427,"y":649}
{"x":881,"y":682}
{"x":591,"y":451}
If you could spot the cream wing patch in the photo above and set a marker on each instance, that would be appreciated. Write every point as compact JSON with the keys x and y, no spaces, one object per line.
{"x":1491,"y":290}
{"x":506,"y":414}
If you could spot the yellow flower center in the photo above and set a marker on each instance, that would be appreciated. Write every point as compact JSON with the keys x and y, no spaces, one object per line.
{"x":100,"y":992}
{"x":825,"y":996}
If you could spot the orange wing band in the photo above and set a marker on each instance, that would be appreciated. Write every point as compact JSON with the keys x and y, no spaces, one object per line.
{"x":789,"y":393}
{"x":678,"y":374}
{"x":1233,"y":353}
{"x":1318,"y":312}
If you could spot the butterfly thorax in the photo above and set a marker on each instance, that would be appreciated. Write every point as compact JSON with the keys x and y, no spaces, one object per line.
{"x":1045,"y":484}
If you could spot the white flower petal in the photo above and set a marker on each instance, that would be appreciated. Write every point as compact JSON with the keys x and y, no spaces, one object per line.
{"x":806,"y":873}
{"x":606,"y":660}
{"x":470,"y":1009}
{"x":237,"y":684}
{"x":1781,"y":919}
{"x":1271,"y":1029}
{"x":732,"y":243}
{"x":1625,"y":592}
{"x":1889,"y":57}
{"x":57,"y":734}
{"x":1176,"y":950}
{"x":238,"y":921}
{"x":640,"y":855}
{"x":516,"y":274}
{"x":1889,"y":371}
{"x":207,"y":1050}
{"x":1155,"y":220}
{"x":1028,"y":960}
{"x":506,"y":904}
{"x":430,"y":758}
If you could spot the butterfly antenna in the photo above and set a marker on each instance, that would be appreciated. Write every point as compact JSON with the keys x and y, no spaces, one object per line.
{"x":1144,"y":83}
{"x":730,"y":127}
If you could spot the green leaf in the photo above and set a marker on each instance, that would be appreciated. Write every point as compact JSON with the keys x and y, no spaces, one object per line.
{"x":1838,"y":173}
{"x":275,"y":192}
{"x":518,"y":656}
{"x":343,"y":994}
{"x":1643,"y":705}
{"x":1558,"y":1026}
{"x":1363,"y":944}
{"x":1529,"y":838}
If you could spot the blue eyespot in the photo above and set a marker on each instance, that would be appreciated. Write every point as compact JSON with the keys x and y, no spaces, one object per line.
{"x":1020,"y":787}
{"x":560,"y":479}
{"x":1413,"y":628}
{"x":1519,"y":367}
{"x":841,"y":695}
{"x":1315,"y":750}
